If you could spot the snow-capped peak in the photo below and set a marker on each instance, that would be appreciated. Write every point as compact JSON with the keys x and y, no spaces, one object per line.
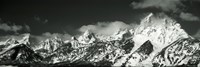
{"x":86,"y":33}
{"x":87,"y":37}
{"x":160,"y":30}
{"x":10,"y":41}
{"x":25,"y":39}
{"x":120,"y":34}
{"x":147,"y":19}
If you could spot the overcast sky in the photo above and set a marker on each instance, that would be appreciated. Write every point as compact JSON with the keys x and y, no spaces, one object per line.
{"x":68,"y":16}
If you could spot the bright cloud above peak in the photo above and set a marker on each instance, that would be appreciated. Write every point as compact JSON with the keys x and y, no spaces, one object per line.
{"x":107,"y":28}
{"x":53,"y":35}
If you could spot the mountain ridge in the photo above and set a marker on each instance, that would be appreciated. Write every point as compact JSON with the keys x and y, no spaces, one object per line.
{"x":157,"y":35}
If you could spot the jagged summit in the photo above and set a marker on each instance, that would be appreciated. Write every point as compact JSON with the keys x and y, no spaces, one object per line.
{"x":86,"y":33}
{"x":19,"y":54}
{"x":51,"y":44}
{"x":122,"y":34}
{"x":25,"y":39}
{"x":87,"y":37}
{"x":160,"y":30}
{"x":153,"y":19}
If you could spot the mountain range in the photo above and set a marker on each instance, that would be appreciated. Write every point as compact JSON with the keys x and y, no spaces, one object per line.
{"x":156,"y":42}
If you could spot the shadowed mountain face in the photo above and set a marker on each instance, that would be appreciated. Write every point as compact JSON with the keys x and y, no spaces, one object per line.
{"x":180,"y":52}
{"x":146,"y":48}
{"x":157,"y":41}
{"x":20,"y":54}
{"x":139,"y":55}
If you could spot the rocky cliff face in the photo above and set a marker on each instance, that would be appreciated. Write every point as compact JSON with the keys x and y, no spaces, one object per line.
{"x":157,"y":41}
{"x":180,"y":52}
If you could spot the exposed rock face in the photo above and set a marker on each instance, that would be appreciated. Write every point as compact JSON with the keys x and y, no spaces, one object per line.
{"x":161,"y":30}
{"x":20,"y":54}
{"x":135,"y":58}
{"x":157,"y":41}
{"x":87,"y":38}
{"x":51,"y":44}
{"x":17,"y":52}
{"x":180,"y":52}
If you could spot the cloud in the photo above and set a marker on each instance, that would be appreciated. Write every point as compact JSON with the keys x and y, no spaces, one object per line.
{"x":40,"y":20}
{"x":27,"y":27}
{"x":47,"y":35}
{"x":12,"y":27}
{"x":165,"y":5}
{"x":188,"y":17}
{"x":197,"y":35}
{"x":107,"y":28}
{"x":16,"y":37}
{"x":6,"y":27}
